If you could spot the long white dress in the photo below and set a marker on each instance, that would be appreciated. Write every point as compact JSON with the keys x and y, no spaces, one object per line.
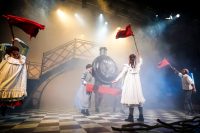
{"x":131,"y":89}
{"x":13,"y":78}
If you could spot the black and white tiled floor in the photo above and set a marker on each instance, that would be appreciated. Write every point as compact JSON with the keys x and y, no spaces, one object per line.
{"x":40,"y":121}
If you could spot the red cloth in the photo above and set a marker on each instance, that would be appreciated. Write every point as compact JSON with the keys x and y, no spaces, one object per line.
{"x":109,"y":90}
{"x":28,"y":26}
{"x":104,"y":89}
{"x":163,"y":63}
{"x":122,"y":33}
{"x":13,"y":104}
{"x":89,"y":87}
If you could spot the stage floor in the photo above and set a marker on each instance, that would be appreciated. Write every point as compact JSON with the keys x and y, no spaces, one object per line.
{"x":73,"y":122}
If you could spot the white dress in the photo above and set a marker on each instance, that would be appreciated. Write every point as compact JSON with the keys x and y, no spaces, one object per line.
{"x":13,"y":78}
{"x":131,"y":89}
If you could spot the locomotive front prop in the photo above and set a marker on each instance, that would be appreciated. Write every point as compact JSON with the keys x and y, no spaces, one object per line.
{"x":104,"y":68}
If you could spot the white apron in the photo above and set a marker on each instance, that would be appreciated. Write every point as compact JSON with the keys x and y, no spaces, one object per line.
{"x":13,"y":77}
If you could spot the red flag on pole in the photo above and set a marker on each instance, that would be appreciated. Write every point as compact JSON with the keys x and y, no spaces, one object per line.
{"x":163,"y":63}
{"x":28,"y":26}
{"x":122,"y":33}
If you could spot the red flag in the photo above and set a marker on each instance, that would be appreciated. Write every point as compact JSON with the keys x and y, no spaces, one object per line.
{"x":28,"y":26}
{"x":122,"y":33}
{"x":89,"y":87}
{"x":104,"y":90}
{"x":109,"y":90}
{"x":163,"y":63}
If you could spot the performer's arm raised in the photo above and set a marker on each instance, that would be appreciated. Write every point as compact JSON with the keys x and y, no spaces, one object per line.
{"x":25,"y":47}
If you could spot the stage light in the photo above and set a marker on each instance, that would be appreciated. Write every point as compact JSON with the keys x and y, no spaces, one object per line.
{"x":62,"y":15}
{"x":80,"y":20}
{"x":101,"y":18}
{"x":170,"y":17}
{"x":178,"y":15}
{"x":76,"y":15}
{"x":156,"y":15}
{"x":106,"y":23}
{"x":101,"y":33}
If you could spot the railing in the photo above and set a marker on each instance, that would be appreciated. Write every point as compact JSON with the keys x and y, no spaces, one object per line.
{"x":34,"y":70}
{"x":76,"y":48}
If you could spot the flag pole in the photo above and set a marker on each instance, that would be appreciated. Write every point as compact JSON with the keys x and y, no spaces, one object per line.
{"x":135,"y":44}
{"x":12,"y":33}
{"x":173,"y":68}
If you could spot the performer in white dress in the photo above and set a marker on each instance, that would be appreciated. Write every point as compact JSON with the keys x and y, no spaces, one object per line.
{"x":132,"y":94}
{"x":13,"y":79}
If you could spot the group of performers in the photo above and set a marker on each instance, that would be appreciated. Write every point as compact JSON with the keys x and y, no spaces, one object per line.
{"x":132,"y":93}
{"x":13,"y":82}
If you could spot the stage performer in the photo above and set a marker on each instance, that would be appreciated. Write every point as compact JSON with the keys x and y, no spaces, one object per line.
{"x":188,"y":88}
{"x":13,"y":79}
{"x":132,"y":94}
{"x":83,"y":98}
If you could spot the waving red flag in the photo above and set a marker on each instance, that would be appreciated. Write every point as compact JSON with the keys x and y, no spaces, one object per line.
{"x":122,"y":33}
{"x":163,"y":63}
{"x":30,"y":27}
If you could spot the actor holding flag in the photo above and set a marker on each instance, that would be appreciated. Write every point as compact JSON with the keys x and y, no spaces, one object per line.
{"x":13,"y":79}
{"x":188,"y":88}
{"x":13,"y":71}
{"x":132,"y":94}
{"x":187,"y":85}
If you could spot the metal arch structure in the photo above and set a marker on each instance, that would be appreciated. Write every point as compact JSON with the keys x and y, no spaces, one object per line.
{"x":76,"y":48}
{"x":33,"y":69}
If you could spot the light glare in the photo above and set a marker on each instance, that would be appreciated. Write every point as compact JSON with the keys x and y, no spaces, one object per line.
{"x":80,"y":20}
{"x":178,"y":15}
{"x":61,"y":15}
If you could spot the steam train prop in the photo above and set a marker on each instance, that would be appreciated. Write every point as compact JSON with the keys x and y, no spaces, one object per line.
{"x":104,"y":72}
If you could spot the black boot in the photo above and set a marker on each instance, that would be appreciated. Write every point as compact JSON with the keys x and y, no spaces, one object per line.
{"x":130,"y":118}
{"x":141,"y":118}
{"x":83,"y":111}
{"x":87,"y":112}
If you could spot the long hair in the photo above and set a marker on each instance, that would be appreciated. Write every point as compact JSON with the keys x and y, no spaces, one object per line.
{"x":132,"y":60}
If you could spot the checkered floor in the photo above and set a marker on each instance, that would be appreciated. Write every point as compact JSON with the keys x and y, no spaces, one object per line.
{"x":73,"y":122}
